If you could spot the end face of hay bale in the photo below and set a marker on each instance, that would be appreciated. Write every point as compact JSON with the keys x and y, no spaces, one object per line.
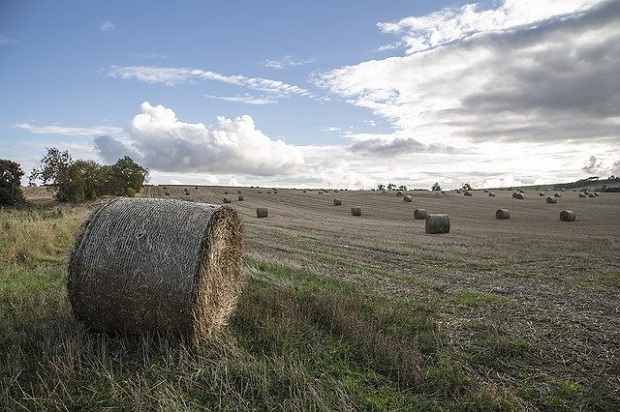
{"x":337,"y":202}
{"x":567,"y":216}
{"x":261,"y":212}
{"x":502,"y":214}
{"x":420,"y":214}
{"x":437,"y":224}
{"x":407,"y":198}
{"x":160,"y":266}
{"x":356,"y":211}
{"x":552,"y":200}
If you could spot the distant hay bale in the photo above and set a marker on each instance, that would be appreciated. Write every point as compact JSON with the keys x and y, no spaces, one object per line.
{"x":321,"y":192}
{"x":596,"y":194}
{"x":162,"y":266}
{"x":567,"y":216}
{"x":591,"y":195}
{"x":240,"y":198}
{"x":226,"y":200}
{"x":582,"y":195}
{"x":337,"y":202}
{"x":557,"y":195}
{"x":261,"y":212}
{"x":420,"y":214}
{"x":467,"y":193}
{"x":437,"y":224}
{"x":541,"y":194}
{"x":356,"y":211}
{"x":486,"y":190}
{"x":491,"y":194}
{"x":304,"y":190}
{"x":407,"y":198}
{"x":399,"y":193}
{"x":238,"y":192}
{"x":552,"y":200}
{"x":518,"y":195}
{"x":502,"y":214}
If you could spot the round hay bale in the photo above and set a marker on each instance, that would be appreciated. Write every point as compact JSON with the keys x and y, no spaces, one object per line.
{"x":567,"y":216}
{"x":162,"y":266}
{"x":437,"y":224}
{"x":226,"y":200}
{"x":238,"y":192}
{"x":467,"y":193}
{"x":582,"y":195}
{"x":486,"y":190}
{"x":304,"y":190}
{"x":557,"y":195}
{"x":596,"y":194}
{"x":502,"y":214}
{"x":552,"y":200}
{"x":240,"y":198}
{"x":518,"y":195}
{"x":407,"y":198}
{"x":337,"y":202}
{"x":541,"y":194}
{"x":356,"y":211}
{"x":399,"y":193}
{"x":591,"y":195}
{"x":261,"y":212}
{"x":420,"y":214}
{"x":491,"y":194}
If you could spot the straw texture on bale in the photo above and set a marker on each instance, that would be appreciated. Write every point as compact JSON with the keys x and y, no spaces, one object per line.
{"x":337,"y":202}
{"x":261,"y":212}
{"x":502,"y":214}
{"x":160,"y":266}
{"x":419,"y":214}
{"x":567,"y":216}
{"x":356,"y":211}
{"x":407,"y":198}
{"x":437,"y":224}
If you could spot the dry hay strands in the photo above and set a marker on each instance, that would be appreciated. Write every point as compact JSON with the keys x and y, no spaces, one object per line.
{"x":502,"y":214}
{"x":518,"y":195}
{"x":552,"y":200}
{"x":337,"y":202}
{"x":567,"y":216}
{"x":160,"y":266}
{"x":420,"y":214}
{"x":407,"y":198}
{"x":356,"y":211}
{"x":261,"y":212}
{"x":437,"y":224}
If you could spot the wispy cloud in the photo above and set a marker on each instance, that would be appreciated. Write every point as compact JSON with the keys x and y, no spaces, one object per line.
{"x":5,"y":41}
{"x":284,"y":62}
{"x":60,"y":130}
{"x":247,"y":99}
{"x":173,"y":76}
{"x":107,"y":26}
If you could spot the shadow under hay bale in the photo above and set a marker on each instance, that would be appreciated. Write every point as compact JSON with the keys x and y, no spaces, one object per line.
{"x":337,"y":202}
{"x":420,"y":214}
{"x":502,"y":214}
{"x":261,"y":212}
{"x":356,"y":211}
{"x":437,"y":224}
{"x":567,"y":216}
{"x":161,"y":266}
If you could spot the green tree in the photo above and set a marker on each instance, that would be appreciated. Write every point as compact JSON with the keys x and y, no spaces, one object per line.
{"x":391,"y":186}
{"x":436,"y":187}
{"x":10,"y":183}
{"x":128,"y":176}
{"x":381,"y":187}
{"x":57,"y":172}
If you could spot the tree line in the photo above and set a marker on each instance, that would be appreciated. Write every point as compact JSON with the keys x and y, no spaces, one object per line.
{"x":71,"y":180}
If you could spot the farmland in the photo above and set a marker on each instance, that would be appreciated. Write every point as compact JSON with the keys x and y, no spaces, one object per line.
{"x":347,"y":312}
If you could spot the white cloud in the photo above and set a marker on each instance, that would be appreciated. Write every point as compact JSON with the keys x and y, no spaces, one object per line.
{"x":284,"y":62}
{"x":107,"y":26}
{"x":247,"y":99}
{"x":166,"y":144}
{"x":60,"y":130}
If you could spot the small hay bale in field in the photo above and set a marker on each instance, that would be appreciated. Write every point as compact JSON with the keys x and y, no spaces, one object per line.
{"x":356,"y":211}
{"x":337,"y":202}
{"x":261,"y":212}
{"x":557,"y":195}
{"x":226,"y":200}
{"x":437,"y":224}
{"x":518,"y":195}
{"x":407,"y":198}
{"x":552,"y":200}
{"x":541,"y":194}
{"x":467,"y":193}
{"x":582,"y":195}
{"x":596,"y":194}
{"x":491,"y":194}
{"x":240,"y":198}
{"x":226,"y":192}
{"x":591,"y":195}
{"x":420,"y":214}
{"x":502,"y":214}
{"x":567,"y":216}
{"x":321,"y":192}
{"x":486,"y":190}
{"x":160,"y":266}
{"x":238,"y":192}
{"x":399,"y":193}
{"x":304,"y":191}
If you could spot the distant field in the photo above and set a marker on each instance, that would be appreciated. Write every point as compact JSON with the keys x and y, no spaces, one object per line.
{"x":518,"y":314}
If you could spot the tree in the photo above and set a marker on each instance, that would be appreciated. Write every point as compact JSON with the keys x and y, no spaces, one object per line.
{"x":10,"y":183}
{"x":436,"y":187}
{"x":467,"y":186}
{"x":57,"y":174}
{"x":381,"y":187}
{"x":128,"y":175}
{"x":402,"y":188}
{"x":391,"y":186}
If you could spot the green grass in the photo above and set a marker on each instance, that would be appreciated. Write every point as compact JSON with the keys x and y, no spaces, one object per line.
{"x":299,"y":340}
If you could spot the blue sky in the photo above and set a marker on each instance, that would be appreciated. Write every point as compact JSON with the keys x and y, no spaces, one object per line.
{"x":317,"y":94}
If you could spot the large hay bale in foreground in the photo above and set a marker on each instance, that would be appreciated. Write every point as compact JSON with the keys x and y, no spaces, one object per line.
{"x":502,"y":214}
{"x":420,"y":214}
{"x":437,"y":224}
{"x":160,"y":266}
{"x":261,"y":212}
{"x":356,"y":211}
{"x":567,"y":216}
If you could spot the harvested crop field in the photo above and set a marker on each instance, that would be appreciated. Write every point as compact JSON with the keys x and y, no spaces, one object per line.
{"x":534,"y":300}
